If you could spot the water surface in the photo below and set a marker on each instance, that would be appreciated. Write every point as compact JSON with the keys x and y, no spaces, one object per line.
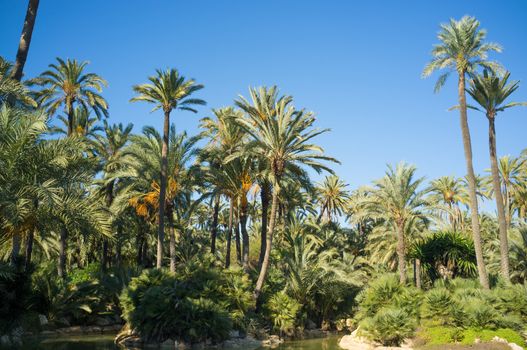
{"x":105,"y":342}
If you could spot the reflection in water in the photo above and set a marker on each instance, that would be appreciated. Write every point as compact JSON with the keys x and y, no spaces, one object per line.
{"x":105,"y":342}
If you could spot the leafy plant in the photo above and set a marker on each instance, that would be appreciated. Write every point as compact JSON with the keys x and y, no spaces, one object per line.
{"x":283,"y":311}
{"x":390,"y":326}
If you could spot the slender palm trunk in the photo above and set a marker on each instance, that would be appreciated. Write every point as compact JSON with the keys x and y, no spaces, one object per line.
{"x":118,"y":248}
{"x":140,"y":238}
{"x":507,"y":209}
{"x":29,"y":249}
{"x":237,"y":238}
{"x":467,"y":146}
{"x":417,"y":273}
{"x":245,"y":238}
{"x":502,"y":221}
{"x":172,"y":240}
{"x":162,"y":189}
{"x":109,"y":200}
{"x":214,"y":230}
{"x":264,"y":196}
{"x":63,"y":246}
{"x":15,"y":250}
{"x":229,"y":235}
{"x":269,"y":242}
{"x":25,"y":39}
{"x":401,"y":256}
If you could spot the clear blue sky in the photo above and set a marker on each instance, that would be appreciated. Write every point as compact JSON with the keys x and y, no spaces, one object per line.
{"x":357,"y":64}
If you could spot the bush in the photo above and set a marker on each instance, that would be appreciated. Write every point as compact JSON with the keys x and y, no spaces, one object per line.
{"x":438,"y":304}
{"x":389,"y":326}
{"x":197,"y":303}
{"x":380,"y":293}
{"x":284,"y":311}
{"x":485,"y":335}
{"x":440,"y":335}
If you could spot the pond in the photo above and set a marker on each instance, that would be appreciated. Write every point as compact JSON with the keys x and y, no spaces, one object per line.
{"x":105,"y":342}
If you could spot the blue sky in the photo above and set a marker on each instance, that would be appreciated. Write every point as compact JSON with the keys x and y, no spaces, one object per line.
{"x":357,"y":64}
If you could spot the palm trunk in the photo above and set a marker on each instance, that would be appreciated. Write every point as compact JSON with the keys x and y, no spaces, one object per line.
{"x":162,"y":190}
{"x":245,"y":238}
{"x":214,"y":230}
{"x":15,"y":250}
{"x":29,"y":249}
{"x":69,"y":113}
{"x":237,"y":239}
{"x":172,"y":241}
{"x":467,"y":146}
{"x":264,"y":196}
{"x":62,"y":252}
{"x":502,"y":221}
{"x":265,"y":263}
{"x":25,"y":39}
{"x":118,"y":248}
{"x":109,"y":200}
{"x":139,"y":243}
{"x":229,"y":236}
{"x":417,"y":273}
{"x":401,"y":257}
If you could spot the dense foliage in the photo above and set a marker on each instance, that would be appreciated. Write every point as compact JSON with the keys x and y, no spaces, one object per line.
{"x":191,"y":236}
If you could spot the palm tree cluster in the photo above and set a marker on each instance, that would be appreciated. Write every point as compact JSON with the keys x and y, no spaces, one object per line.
{"x":77,"y":190}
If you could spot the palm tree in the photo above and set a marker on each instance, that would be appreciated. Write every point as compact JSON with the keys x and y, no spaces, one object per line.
{"x":11,"y":89}
{"x":397,"y":200}
{"x":512,"y":177}
{"x":67,"y":84}
{"x":263,"y":106}
{"x":448,"y":191}
{"x":144,"y":162}
{"x":84,"y":125}
{"x":462,"y":49}
{"x":109,"y":150}
{"x":25,"y":39}
{"x":282,"y":140}
{"x":332,"y":197}
{"x":490,"y":92}
{"x":167,"y":90}
{"x":225,"y":136}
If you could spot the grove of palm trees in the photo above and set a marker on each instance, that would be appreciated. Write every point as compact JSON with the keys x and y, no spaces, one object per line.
{"x":245,"y":230}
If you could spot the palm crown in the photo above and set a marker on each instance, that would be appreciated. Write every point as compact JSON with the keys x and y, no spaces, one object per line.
{"x":67,"y":83}
{"x":168,"y":90}
{"x":462,"y":49}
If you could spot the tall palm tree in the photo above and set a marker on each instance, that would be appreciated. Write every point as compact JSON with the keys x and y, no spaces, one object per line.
{"x":397,"y":200}
{"x":283,"y":142}
{"x":25,"y":39}
{"x":66,"y":83}
{"x":225,"y":136}
{"x":462,"y":49}
{"x":332,"y":197}
{"x":167,"y":90}
{"x":491,"y":92}
{"x":109,"y":150}
{"x":144,"y":163}
{"x":262,"y":105}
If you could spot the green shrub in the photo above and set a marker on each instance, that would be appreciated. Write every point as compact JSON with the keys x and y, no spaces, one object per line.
{"x":283,"y":311}
{"x":380,"y":293}
{"x":438,"y":304}
{"x":197,"y":303}
{"x":485,"y":335}
{"x":479,"y":314}
{"x":389,"y":326}
{"x":440,"y":335}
